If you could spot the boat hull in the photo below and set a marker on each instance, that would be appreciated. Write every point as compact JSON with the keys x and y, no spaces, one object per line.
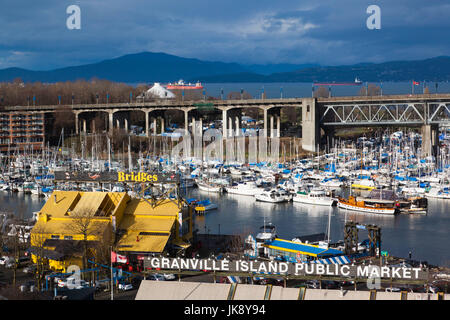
{"x":387,"y":211}
{"x":317,"y":202}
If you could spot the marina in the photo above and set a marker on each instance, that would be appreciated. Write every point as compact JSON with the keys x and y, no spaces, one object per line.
{"x":230,"y":190}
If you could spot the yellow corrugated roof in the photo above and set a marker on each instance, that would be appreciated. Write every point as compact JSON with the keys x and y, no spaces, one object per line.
{"x":89,"y":202}
{"x":59,"y":202}
{"x":135,"y":226}
{"x":143,"y":207}
{"x":151,"y":223}
{"x":63,"y":226}
{"x":148,"y":243}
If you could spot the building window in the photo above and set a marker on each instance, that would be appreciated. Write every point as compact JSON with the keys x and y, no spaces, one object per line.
{"x":68,"y":238}
{"x":307,"y":108}
{"x":54,"y":236}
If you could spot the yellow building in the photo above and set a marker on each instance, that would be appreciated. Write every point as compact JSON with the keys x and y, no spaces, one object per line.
{"x":133,"y":226}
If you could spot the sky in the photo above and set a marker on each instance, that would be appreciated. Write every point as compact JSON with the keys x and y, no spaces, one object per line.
{"x":34,"y":34}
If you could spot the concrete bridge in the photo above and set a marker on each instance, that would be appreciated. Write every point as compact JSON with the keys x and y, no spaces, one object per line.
{"x":427,"y":111}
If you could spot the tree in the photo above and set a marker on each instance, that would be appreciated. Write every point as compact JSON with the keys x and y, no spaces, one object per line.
{"x":321,"y":92}
{"x":233,"y":95}
{"x":38,"y":238}
{"x":83,"y":224}
{"x":370,"y":90}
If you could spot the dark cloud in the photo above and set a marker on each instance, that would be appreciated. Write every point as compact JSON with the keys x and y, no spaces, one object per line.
{"x":34,"y":34}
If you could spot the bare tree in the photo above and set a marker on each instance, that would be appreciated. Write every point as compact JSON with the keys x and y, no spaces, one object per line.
{"x":83,"y":223}
{"x":233,"y":95}
{"x":321,"y":92}
{"x":370,"y":90}
{"x":38,"y":237}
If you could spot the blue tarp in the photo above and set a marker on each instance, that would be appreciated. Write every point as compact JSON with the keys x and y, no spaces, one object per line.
{"x":303,"y":248}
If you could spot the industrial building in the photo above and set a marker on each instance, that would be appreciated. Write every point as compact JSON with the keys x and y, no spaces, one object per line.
{"x":21,"y":130}
{"x":168,"y":290}
{"x":133,"y":227}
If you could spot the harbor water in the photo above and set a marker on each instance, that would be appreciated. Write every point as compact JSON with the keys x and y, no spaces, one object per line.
{"x":426,"y":236}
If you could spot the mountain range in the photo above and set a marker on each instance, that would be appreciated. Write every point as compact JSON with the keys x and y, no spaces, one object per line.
{"x":147,"y":67}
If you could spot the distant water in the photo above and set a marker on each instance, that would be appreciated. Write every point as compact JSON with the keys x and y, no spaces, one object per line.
{"x":301,"y":89}
{"x":426,"y":236}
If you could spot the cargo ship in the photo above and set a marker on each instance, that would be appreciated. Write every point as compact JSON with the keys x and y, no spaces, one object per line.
{"x":181,"y":85}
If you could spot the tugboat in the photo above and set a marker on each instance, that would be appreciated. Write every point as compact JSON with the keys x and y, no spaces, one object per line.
{"x":254,"y":245}
{"x":378,"y":202}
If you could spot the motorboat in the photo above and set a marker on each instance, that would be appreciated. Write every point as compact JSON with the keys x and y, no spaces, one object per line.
{"x":203,"y":186}
{"x":438,"y":193}
{"x":246,"y":188}
{"x":271,"y":195}
{"x":254,"y":245}
{"x":364,"y":183}
{"x":205,"y":205}
{"x":317,"y":196}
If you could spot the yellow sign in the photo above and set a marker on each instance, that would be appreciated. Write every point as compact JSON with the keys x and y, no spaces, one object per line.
{"x":136,"y":177}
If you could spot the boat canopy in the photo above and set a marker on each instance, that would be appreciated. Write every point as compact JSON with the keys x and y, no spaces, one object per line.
{"x":302,"y":248}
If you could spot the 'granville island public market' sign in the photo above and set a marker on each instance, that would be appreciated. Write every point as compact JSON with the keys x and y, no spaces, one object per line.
{"x":285,"y":268}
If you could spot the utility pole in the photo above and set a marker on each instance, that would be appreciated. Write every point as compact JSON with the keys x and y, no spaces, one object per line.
{"x":112,"y":283}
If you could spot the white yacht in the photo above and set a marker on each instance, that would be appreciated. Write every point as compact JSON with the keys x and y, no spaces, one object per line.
{"x":316,"y":196}
{"x":438,"y":193}
{"x":246,"y":188}
{"x":208,"y":187}
{"x":331,"y":183}
{"x":271,"y":195}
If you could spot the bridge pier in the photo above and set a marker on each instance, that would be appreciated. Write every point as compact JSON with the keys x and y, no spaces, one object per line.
{"x":310,"y":125}
{"x":430,"y":140}
{"x":111,"y":119}
{"x":76,"y":122}
{"x":278,"y":126}
{"x":265,"y":122}
{"x":224,"y":124}
{"x":84,"y":126}
{"x":147,"y":130}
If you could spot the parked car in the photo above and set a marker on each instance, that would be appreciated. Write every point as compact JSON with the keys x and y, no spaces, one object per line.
{"x":169,"y":276}
{"x":125,"y":286}
{"x":4,"y":260}
{"x":136,"y":281}
{"x":71,"y":282}
{"x":313,"y":284}
{"x":30,"y":269}
{"x":156,"y":277}
{"x":329,"y":284}
{"x":272,"y":281}
{"x":393,"y":289}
